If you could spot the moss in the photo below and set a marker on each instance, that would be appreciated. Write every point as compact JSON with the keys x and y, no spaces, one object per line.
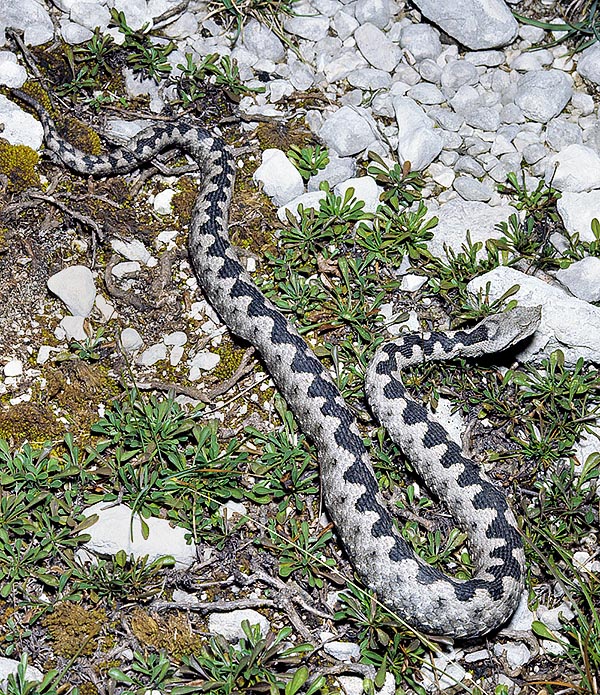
{"x":18,"y":163}
{"x":30,"y":422}
{"x":80,"y":135}
{"x":231,"y":356}
{"x":35,"y":90}
{"x":173,"y":633}
{"x":76,"y":386}
{"x":184,"y":199}
{"x":73,"y":629}
{"x":88,"y":688}
{"x":283,"y":135}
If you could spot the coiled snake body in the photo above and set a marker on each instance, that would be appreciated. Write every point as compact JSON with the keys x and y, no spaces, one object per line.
{"x":422,"y":595}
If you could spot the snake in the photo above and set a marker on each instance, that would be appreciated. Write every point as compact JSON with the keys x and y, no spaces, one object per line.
{"x":421,"y":595}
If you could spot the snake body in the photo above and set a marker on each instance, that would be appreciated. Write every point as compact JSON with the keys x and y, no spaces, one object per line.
{"x":423,"y":596}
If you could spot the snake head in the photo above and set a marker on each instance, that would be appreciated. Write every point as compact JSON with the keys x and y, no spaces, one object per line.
{"x":509,"y":327}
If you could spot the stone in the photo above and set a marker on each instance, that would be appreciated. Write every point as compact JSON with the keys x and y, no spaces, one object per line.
{"x":568,"y":324}
{"x":131,"y":340}
{"x":576,"y":168}
{"x":376,"y":12}
{"x":588,"y":65}
{"x":477,"y":24}
{"x":376,"y":48}
{"x":229,"y":625}
{"x":312,"y":27}
{"x":543,"y":94}
{"x":577,"y":210}
{"x":134,"y":250}
{"x":582,"y":278}
{"x":470,"y":188}
{"x":280,"y":179}
{"x":344,"y":24}
{"x":339,"y":169}
{"x":71,"y":328}
{"x":365,"y":189}
{"x":162,"y":201}
{"x":119,"y":528}
{"x":29,"y":16}
{"x":11,"y":73}
{"x":76,"y":288}
{"x":13,"y":368}
{"x":457,"y":217}
{"x":90,"y":15}
{"x":456,"y":73}
{"x":426,"y":93}
{"x":418,"y":141}
{"x":421,"y":41}
{"x":9,"y":667}
{"x":18,"y":126}
{"x":153,"y":354}
{"x":560,"y":133}
{"x":348,"y":131}
{"x":261,"y":41}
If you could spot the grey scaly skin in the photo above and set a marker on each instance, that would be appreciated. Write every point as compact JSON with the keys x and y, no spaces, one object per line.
{"x":424,"y":597}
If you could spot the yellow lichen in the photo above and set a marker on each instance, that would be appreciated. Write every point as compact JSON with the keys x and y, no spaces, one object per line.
{"x":73,"y":629}
{"x":18,"y":163}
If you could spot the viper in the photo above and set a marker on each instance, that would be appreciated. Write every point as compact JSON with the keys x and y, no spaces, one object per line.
{"x":422,"y":595}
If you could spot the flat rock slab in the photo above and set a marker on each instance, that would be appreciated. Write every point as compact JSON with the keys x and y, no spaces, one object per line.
{"x":568,"y":324}
{"x":477,"y":24}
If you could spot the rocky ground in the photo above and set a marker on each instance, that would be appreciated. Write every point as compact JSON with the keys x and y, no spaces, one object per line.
{"x":401,"y":167}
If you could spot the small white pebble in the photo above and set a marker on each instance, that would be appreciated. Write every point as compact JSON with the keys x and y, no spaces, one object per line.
{"x":13,"y":368}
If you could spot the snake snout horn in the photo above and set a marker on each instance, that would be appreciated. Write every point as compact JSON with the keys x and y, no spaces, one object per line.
{"x":509,"y":327}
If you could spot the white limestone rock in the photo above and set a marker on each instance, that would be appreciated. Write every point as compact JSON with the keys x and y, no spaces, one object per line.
{"x":418,"y":141}
{"x":229,"y":625}
{"x":118,"y":528}
{"x":577,"y":210}
{"x":280,"y":179}
{"x":76,"y":288}
{"x":477,"y":24}
{"x":19,"y":127}
{"x":348,"y":131}
{"x":568,"y":323}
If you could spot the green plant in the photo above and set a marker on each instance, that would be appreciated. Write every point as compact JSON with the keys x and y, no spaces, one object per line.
{"x":122,"y":578}
{"x":310,"y":231}
{"x":382,"y":638}
{"x":17,"y":684}
{"x":146,"y":426}
{"x":583,"y":33}
{"x":561,"y":401}
{"x":88,"y":349}
{"x":538,"y":203}
{"x":581,"y":249}
{"x":402,"y":186}
{"x":257,"y":664}
{"x":148,"y":672}
{"x":144,"y":56}
{"x":453,"y":274}
{"x":286,"y":465}
{"x":308,"y":160}
{"x":395,"y":232}
{"x":301,"y":552}
{"x":194,"y":79}
{"x":237,"y":12}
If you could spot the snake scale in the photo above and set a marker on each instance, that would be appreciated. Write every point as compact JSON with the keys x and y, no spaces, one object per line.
{"x":422,"y":595}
